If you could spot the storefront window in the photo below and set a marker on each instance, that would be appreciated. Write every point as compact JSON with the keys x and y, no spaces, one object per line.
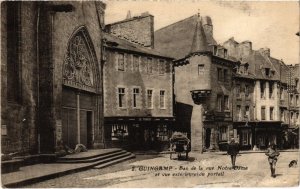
{"x":119,"y":132}
{"x":245,"y":138}
{"x":162,"y":133}
{"x":223,"y":133}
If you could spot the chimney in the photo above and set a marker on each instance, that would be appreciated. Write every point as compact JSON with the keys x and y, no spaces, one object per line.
{"x":208,"y":29}
{"x":245,"y":49}
{"x":139,"y":29}
{"x":265,"y":51}
{"x":128,"y":15}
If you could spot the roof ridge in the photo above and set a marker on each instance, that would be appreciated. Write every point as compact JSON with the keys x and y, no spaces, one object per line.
{"x":176,"y":22}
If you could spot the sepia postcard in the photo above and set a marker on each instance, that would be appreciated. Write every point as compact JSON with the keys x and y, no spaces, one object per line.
{"x":150,"y":94}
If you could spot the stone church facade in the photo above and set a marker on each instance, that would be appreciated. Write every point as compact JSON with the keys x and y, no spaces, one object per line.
{"x":51,"y":75}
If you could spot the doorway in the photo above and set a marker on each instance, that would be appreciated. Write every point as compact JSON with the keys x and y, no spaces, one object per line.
{"x":207,"y":137}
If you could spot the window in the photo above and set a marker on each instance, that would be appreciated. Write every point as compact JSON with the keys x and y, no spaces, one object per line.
{"x":291,"y":99}
{"x":296,"y":83}
{"x":239,"y":112}
{"x":297,"y":117}
{"x":238,"y":90}
{"x":225,"y":75}
{"x":219,"y":103}
{"x":282,"y":117}
{"x":223,"y":131}
{"x":135,"y":98}
{"x":267,"y":70}
{"x":271,"y":90}
{"x":121,"y":63}
{"x":245,"y":138}
{"x":220,"y":78}
{"x":225,"y":53}
{"x":136,"y":63}
{"x":246,"y":69}
{"x":200,"y":69}
{"x":149,"y":65}
{"x":149,"y":98}
{"x":297,"y":100}
{"x":262,"y":89}
{"x":271,"y":113}
{"x":215,"y":50}
{"x":162,"y":133}
{"x":292,"y":115}
{"x":162,"y":67}
{"x":247,"y":112}
{"x":281,"y":93}
{"x":226,"y":102}
{"x":263,"y":113}
{"x":118,"y":132}
{"x":162,"y":99}
{"x":121,"y":96}
{"x":246,"y":90}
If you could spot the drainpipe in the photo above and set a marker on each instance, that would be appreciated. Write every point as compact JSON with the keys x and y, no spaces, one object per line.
{"x":38,"y":75}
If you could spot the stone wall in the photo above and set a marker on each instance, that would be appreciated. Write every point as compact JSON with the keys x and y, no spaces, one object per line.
{"x":46,"y":26}
{"x":139,"y":79}
{"x":19,"y":117}
{"x":139,"y":30}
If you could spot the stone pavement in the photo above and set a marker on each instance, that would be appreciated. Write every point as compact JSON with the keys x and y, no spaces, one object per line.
{"x":43,"y":171}
{"x":115,"y":176}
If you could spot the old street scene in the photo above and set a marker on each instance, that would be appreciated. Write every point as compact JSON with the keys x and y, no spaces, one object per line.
{"x":132,"y":94}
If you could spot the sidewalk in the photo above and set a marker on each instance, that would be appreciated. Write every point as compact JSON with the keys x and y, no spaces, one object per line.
{"x":43,"y":171}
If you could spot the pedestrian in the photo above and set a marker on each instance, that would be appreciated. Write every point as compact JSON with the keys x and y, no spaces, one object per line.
{"x":233,"y":150}
{"x":272,"y":154}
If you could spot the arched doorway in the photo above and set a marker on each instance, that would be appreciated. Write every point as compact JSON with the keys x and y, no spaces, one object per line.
{"x":79,"y":91}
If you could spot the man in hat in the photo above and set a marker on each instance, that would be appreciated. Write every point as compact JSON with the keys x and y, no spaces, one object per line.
{"x":233,"y":150}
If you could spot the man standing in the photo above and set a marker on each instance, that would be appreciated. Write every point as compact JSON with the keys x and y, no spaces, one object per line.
{"x":233,"y":150}
{"x":272,"y":154}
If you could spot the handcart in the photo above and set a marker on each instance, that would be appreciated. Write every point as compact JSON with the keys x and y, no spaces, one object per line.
{"x":179,"y":144}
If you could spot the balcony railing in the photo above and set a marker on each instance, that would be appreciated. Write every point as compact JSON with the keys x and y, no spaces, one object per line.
{"x":217,"y":116}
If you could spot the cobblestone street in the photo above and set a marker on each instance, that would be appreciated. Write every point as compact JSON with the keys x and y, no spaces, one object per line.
{"x":138,"y":173}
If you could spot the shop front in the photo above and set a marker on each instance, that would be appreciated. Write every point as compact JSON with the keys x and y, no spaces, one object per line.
{"x":138,"y":133}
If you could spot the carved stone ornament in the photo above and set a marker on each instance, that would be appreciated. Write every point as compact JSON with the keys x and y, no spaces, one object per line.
{"x":78,"y":64}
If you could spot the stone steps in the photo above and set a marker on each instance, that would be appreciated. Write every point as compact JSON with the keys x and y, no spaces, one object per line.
{"x":90,"y":159}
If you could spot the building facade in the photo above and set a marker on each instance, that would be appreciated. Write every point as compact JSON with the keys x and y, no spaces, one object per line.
{"x":138,"y":87}
{"x":51,"y":75}
{"x":263,"y":96}
{"x":203,"y":82}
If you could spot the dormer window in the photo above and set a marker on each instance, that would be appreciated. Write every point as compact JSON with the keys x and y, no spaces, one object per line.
{"x":225,"y":53}
{"x":215,"y":50}
{"x":246,"y":69}
{"x":267,"y":71}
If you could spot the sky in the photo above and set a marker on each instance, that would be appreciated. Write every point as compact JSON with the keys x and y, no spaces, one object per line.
{"x":266,"y":24}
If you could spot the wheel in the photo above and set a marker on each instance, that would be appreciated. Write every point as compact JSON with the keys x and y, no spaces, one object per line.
{"x":186,"y":155}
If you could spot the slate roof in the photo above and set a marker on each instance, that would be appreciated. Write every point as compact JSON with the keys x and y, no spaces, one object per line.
{"x":199,"y":42}
{"x":176,"y":40}
{"x":118,"y":43}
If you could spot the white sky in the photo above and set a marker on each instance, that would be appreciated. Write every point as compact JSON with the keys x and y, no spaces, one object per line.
{"x":266,"y":24}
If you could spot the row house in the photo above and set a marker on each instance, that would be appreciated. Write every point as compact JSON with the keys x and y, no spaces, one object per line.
{"x":51,"y":77}
{"x":262,"y":90}
{"x":138,"y":87}
{"x":293,"y":106}
{"x":203,"y":81}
